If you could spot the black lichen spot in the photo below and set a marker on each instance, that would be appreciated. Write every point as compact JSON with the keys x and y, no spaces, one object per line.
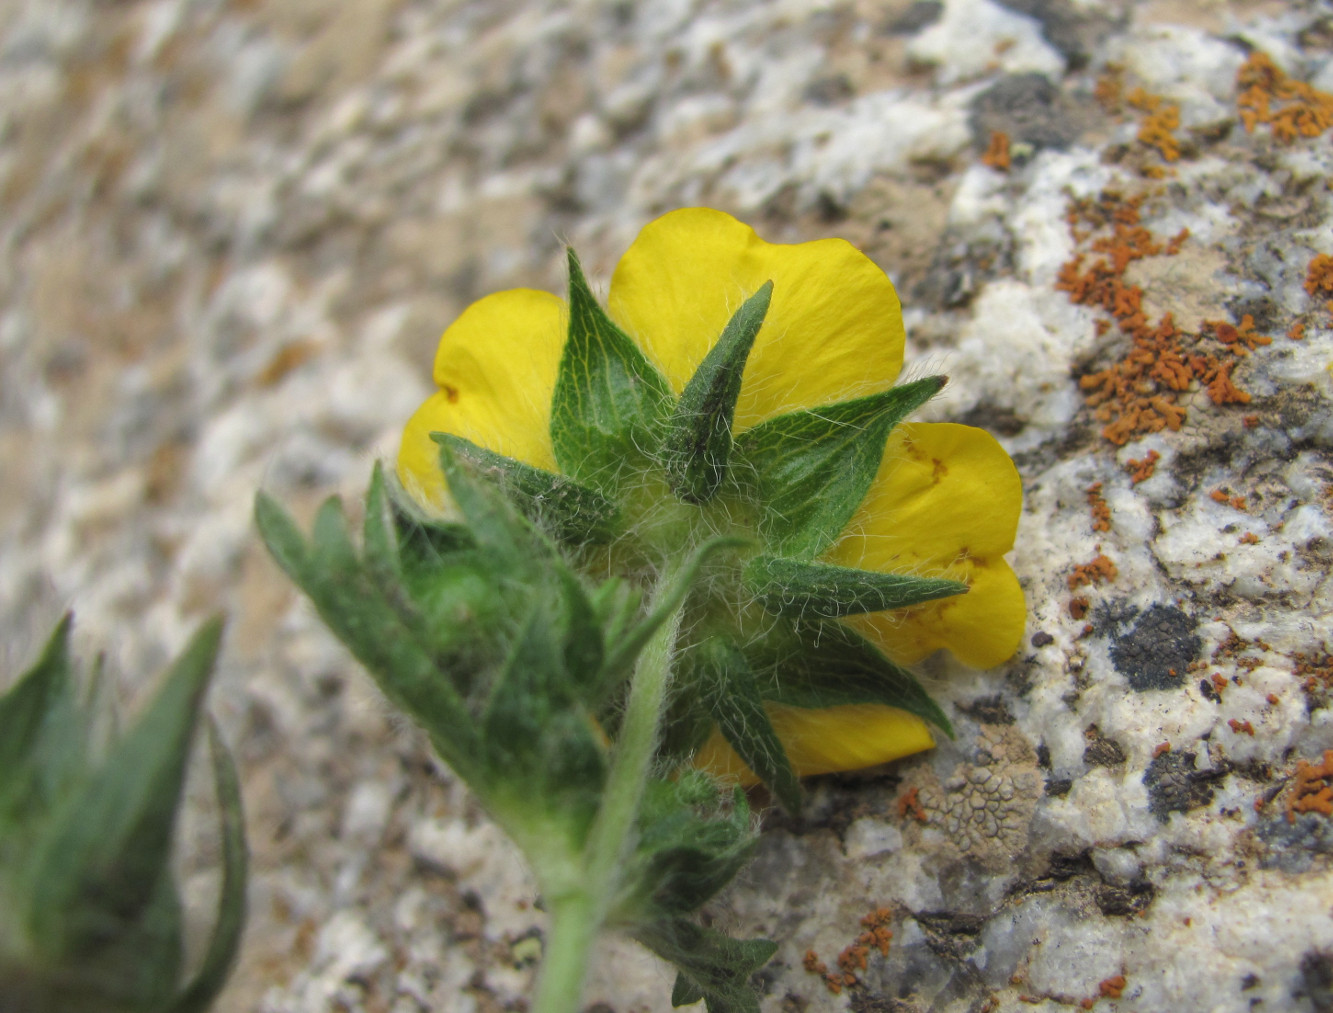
{"x":1174,"y":786}
{"x":1209,"y":691}
{"x":921,"y":14}
{"x":828,"y":91}
{"x":1156,"y":653}
{"x":1317,"y":979}
{"x":1101,"y":751}
{"x":1124,"y":901}
{"x":1058,"y":787}
{"x":1042,"y":639}
{"x":988,"y":710}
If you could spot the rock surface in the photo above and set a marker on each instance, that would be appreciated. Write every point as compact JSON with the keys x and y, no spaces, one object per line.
{"x":231,"y":231}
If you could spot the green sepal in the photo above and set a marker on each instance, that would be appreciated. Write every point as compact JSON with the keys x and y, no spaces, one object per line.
{"x":735,"y":702}
{"x":810,"y":470}
{"x":697,"y":448}
{"x":610,"y":402}
{"x":100,"y":859}
{"x":715,"y":967}
{"x":792,"y":587}
{"x":816,"y":664}
{"x":492,"y":520}
{"x":569,"y":512}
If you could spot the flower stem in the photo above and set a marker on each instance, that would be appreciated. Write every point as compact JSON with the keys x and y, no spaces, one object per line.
{"x":578,"y":911}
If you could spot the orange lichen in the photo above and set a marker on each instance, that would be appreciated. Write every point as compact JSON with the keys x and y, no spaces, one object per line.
{"x":1315,"y":671}
{"x":1291,"y":108}
{"x":910,"y":803}
{"x":1112,"y":988}
{"x":1101,"y":513}
{"x":1078,"y":606}
{"x":1249,"y":538}
{"x":1139,"y":393}
{"x":1296,"y":332}
{"x":1312,"y":789}
{"x":1162,"y":749}
{"x":997,"y":152}
{"x":854,"y":957}
{"x":1158,"y":128}
{"x":1142,"y":470}
{"x":1319,"y":277}
{"x":1240,"y":726}
{"x":1109,"y":89}
{"x":1096,"y":571}
{"x":1219,"y":683}
{"x":876,"y":932}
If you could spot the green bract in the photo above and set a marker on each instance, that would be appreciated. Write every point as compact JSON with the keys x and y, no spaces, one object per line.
{"x":90,"y":919}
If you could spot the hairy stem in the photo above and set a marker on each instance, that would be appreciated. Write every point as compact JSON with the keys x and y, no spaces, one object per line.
{"x":579,"y":908}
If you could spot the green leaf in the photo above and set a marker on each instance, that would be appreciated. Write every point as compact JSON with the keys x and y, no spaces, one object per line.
{"x":685,"y":992}
{"x":400,"y":655}
{"x":609,"y":404}
{"x":225,"y":942}
{"x":698,"y":441}
{"x":827,"y":664}
{"x":109,"y":843}
{"x":379,"y":536}
{"x":738,"y":708}
{"x":790,"y":587}
{"x":690,"y":846}
{"x":810,"y":470}
{"x":715,"y":967}
{"x":281,"y":536}
{"x":538,"y":740}
{"x":568,"y":511}
{"x":27,"y":705}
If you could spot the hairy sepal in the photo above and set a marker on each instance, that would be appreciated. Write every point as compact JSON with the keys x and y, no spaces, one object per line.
{"x":736,"y":703}
{"x":609,"y":408}
{"x":824,"y":663}
{"x":793,"y":587}
{"x":698,"y":444}
{"x":569,"y":512}
{"x":808,"y":471}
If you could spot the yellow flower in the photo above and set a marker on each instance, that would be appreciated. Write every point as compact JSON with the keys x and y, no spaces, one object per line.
{"x":945,"y":501}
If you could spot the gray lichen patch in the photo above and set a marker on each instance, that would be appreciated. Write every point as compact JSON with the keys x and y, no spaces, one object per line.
{"x":1158,"y":650}
{"x":985,"y":806}
{"x":1174,"y":785}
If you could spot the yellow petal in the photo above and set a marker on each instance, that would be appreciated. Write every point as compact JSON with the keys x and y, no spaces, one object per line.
{"x":945,"y":502}
{"x":982,"y":628}
{"x":496,"y":368}
{"x":826,"y":740}
{"x":834,"y":329}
